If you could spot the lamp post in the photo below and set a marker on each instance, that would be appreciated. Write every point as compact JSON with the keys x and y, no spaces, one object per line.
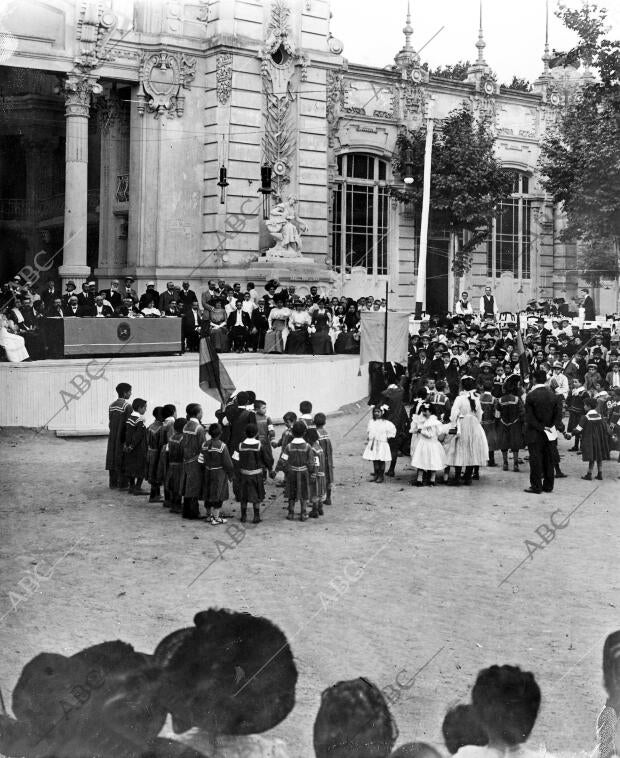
{"x":420,"y":291}
{"x":266,"y":190}
{"x":222,"y":184}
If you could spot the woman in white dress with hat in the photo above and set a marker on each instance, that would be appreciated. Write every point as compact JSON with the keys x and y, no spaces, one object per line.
{"x":470,"y":448}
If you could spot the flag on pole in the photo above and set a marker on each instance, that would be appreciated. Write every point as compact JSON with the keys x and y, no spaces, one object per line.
{"x":523,"y":364}
{"x":213,"y":377}
{"x":373,"y":337}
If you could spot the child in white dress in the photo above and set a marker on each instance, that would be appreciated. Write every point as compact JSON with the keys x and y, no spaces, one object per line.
{"x":378,"y":449}
{"x":415,"y":418}
{"x":428,"y":455}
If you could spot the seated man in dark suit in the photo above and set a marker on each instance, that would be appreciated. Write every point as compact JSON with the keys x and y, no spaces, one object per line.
{"x":128,"y":309}
{"x":72,"y":309}
{"x":541,"y":413}
{"x":97,"y":310}
{"x":260,"y":325}
{"x":239,"y":325}
{"x":54,"y":309}
{"x":192,"y":326}
{"x":150,"y":294}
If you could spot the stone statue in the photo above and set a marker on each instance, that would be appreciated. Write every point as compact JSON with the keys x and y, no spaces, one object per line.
{"x":285,"y":226}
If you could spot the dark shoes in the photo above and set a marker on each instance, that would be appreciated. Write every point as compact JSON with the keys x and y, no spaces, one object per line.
{"x":587,"y":477}
{"x":531,"y":491}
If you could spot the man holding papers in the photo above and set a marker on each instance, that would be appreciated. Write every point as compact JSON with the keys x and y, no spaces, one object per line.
{"x":541,"y":416}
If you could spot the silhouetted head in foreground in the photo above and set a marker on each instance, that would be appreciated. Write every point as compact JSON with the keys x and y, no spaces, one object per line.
{"x":233,"y":673}
{"x":354,"y":721}
{"x":506,"y":701}
{"x":461,"y":727}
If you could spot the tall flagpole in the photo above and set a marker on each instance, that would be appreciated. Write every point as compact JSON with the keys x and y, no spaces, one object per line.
{"x":420,"y":292}
{"x":385,"y":325}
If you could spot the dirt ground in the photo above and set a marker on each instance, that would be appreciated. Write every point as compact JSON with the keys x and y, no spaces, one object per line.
{"x":391,"y":581}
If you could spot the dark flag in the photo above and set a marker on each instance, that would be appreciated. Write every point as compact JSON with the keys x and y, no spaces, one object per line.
{"x":213,"y":377}
{"x":523,"y":364}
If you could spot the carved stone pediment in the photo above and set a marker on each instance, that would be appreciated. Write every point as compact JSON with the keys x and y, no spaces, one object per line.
{"x":163,"y":77}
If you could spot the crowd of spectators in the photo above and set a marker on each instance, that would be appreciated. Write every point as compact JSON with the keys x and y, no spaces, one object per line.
{"x":448,"y":347}
{"x":188,"y":700}
{"x":276,"y":320}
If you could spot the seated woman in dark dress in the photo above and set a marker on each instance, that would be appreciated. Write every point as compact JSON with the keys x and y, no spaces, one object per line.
{"x":348,"y":339}
{"x":298,"y":340}
{"x":218,"y":331}
{"x":321,"y":321}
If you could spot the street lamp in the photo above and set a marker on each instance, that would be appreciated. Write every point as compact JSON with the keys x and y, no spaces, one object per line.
{"x":266,"y":189}
{"x":222,"y":184}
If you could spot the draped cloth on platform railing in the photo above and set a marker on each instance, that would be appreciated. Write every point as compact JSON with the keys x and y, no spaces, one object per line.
{"x":373,"y":333}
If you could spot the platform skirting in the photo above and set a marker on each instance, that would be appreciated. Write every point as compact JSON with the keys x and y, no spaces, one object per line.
{"x":72,"y":395}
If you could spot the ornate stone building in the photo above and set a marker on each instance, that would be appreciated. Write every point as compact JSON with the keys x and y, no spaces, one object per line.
{"x":118,"y":116}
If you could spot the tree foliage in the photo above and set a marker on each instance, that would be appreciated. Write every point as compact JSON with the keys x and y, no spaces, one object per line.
{"x":455,"y":71}
{"x":580,"y":158}
{"x":467,"y":181}
{"x":518,"y":84}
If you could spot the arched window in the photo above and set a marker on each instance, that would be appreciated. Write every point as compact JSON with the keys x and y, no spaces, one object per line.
{"x":360,"y":214}
{"x":509,"y":248}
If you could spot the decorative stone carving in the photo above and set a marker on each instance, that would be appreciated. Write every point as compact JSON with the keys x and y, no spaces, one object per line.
{"x":487,"y":84}
{"x":163,"y":77}
{"x":94,"y":29}
{"x":203,"y":11}
{"x":223,"y":76}
{"x":335,"y":100}
{"x":286,"y":227}
{"x":279,"y":61}
{"x":78,"y":90}
{"x":414,"y":99}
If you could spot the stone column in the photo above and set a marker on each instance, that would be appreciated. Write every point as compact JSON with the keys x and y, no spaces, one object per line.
{"x":78,"y":90}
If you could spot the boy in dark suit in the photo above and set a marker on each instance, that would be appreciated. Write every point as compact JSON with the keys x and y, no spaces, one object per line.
{"x":118,"y":414}
{"x":134,"y":449}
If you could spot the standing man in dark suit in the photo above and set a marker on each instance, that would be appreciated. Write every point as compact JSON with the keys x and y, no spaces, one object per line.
{"x":167,"y":296}
{"x":541,"y":413}
{"x":186,"y":297}
{"x":113,"y":296}
{"x":49,"y":294}
{"x":589,"y":312}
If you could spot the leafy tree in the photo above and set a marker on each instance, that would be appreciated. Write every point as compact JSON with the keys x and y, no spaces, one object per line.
{"x":521,"y":85}
{"x":580,"y":159}
{"x":456,"y":71}
{"x":467,"y":181}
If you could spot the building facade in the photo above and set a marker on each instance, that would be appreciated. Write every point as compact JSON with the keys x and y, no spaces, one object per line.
{"x":118,"y":116}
